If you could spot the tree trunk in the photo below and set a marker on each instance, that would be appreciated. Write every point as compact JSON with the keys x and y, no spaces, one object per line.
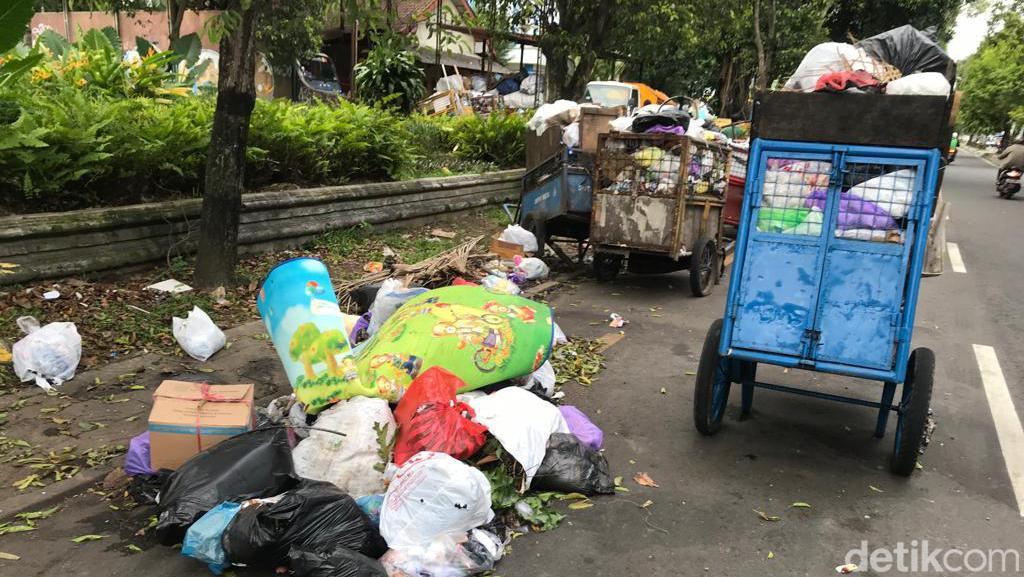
{"x":225,"y":160}
{"x":762,"y":64}
{"x":725,"y":80}
{"x":175,"y":14}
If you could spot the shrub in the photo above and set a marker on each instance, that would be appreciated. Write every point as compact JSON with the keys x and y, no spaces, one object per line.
{"x":496,"y":138}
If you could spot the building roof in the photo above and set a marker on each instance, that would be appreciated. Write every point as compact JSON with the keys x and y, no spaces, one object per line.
{"x":409,"y":11}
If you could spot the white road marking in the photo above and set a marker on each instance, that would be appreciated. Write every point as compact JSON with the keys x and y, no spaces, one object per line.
{"x":955,"y":259}
{"x":1008,"y":427}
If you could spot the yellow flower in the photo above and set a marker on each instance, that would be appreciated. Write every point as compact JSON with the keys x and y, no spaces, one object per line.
{"x":81,"y":82}
{"x":40,"y":74}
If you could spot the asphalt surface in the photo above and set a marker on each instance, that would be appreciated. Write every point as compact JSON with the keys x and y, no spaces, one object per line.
{"x":703,"y":517}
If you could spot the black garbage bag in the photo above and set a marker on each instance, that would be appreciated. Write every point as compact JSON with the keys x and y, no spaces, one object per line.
{"x":908,"y":49}
{"x":144,"y":489}
{"x":336,"y":562}
{"x":571,"y":467}
{"x":247,"y":466}
{"x":315,"y":516}
{"x":668,"y":117}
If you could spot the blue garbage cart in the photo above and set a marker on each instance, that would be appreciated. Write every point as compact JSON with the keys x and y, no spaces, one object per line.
{"x":828,"y":262}
{"x":556,"y":200}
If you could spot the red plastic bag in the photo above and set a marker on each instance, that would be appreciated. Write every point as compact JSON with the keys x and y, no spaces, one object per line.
{"x":430,"y":419}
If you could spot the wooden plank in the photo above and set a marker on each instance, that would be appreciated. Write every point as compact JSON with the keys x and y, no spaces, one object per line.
{"x":541,"y":288}
{"x":608,"y":340}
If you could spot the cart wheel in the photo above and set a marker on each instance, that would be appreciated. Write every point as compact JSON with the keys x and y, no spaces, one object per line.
{"x":606,"y":266}
{"x":703,"y":267}
{"x":712,"y":384}
{"x":913,"y":412}
{"x":536,"y":226}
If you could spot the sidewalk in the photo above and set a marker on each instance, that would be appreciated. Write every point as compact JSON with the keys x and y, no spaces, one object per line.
{"x":82,"y":432}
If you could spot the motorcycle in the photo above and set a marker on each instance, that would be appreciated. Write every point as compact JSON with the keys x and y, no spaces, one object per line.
{"x":1008,"y":182}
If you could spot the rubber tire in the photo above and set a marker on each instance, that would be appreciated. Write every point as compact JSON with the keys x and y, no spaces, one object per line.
{"x":703,"y":395}
{"x":699,"y":286}
{"x":913,"y":411}
{"x":539,"y":230}
{"x":606,"y":266}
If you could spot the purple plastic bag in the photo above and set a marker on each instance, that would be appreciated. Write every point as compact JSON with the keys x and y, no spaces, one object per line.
{"x":659,"y":129}
{"x":579,"y":425}
{"x":136,"y":462}
{"x":854,"y":212}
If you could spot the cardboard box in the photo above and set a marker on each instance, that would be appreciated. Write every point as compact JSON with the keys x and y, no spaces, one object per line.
{"x":505,"y":250}
{"x":188,"y":418}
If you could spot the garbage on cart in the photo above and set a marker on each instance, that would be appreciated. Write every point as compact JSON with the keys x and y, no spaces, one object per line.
{"x":396,"y":482}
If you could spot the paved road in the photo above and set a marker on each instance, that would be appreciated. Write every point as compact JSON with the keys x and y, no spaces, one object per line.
{"x":703,"y":520}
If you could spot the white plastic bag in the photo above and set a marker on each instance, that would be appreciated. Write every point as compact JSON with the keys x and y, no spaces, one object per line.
{"x":560,"y":338}
{"x":450,"y":82}
{"x":557,"y":113}
{"x":529,"y":85}
{"x":350,"y":462}
{"x":522,"y":423}
{"x":543,"y":379}
{"x":921,"y":83}
{"x":892,"y":192}
{"x":829,"y":57}
{"x":571,"y":135}
{"x":518,"y":235}
{"x":391,"y":296}
{"x":500,"y":285}
{"x":621,"y":124}
{"x":434,"y":495}
{"x":532,"y":268}
{"x":197,"y":334}
{"x":446,"y":557}
{"x":49,"y":355}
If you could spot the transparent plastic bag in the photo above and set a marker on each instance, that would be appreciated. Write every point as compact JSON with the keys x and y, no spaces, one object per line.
{"x":516,"y":234}
{"x":350,"y":462}
{"x":203,"y":538}
{"x":391,"y":296}
{"x":198,"y":336}
{"x":477,"y":552}
{"x":49,"y":354}
{"x":532,"y":268}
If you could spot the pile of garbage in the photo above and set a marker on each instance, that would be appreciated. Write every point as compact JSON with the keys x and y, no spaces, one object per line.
{"x":419,"y":435}
{"x":903,"y":60}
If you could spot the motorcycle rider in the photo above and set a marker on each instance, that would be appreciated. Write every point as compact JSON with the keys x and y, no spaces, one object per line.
{"x":1012,"y":156}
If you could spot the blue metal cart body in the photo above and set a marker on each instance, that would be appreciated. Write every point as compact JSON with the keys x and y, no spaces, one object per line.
{"x":829,"y":253}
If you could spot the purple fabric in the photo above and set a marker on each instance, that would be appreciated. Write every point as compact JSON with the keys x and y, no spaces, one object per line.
{"x":361,"y":325}
{"x":658,"y":129}
{"x":580,"y":426}
{"x":854,"y":212}
{"x":136,"y":462}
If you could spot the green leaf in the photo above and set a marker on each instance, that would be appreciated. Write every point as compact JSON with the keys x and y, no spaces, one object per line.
{"x":38,"y":514}
{"x":188,"y":48}
{"x":86,"y":538}
{"x":143,"y":46}
{"x":9,"y":556}
{"x":7,"y":529}
{"x":133,"y":548}
{"x":800,"y":505}
{"x":15,"y":16}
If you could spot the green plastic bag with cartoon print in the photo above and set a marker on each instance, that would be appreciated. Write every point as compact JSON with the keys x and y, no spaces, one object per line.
{"x":481,"y":337}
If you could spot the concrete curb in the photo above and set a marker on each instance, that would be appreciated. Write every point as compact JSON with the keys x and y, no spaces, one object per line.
{"x":59,"y":491}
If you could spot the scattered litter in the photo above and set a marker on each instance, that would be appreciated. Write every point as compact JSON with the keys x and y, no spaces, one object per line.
{"x":51,"y":295}
{"x":645,"y":480}
{"x":137,"y":461}
{"x":198,"y":336}
{"x":374,"y":266}
{"x":500,"y":285}
{"x":442,"y":233}
{"x":335,"y":562}
{"x":617,"y":322}
{"x":767,"y":517}
{"x":771,"y":555}
{"x":531,"y":268}
{"x":875,"y":489}
{"x":663,"y":391}
{"x":516,"y":234}
{"x":5,"y":353}
{"x":462,"y":556}
{"x":49,"y":354}
{"x":170,"y":286}
{"x":9,"y":556}
{"x":433,"y":495}
{"x":542,"y":381}
{"x":847,"y":569}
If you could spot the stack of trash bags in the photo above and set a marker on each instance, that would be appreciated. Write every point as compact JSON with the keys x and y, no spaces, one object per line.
{"x":393,"y":483}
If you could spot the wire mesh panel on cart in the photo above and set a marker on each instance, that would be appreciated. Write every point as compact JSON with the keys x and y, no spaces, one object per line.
{"x":873,"y":202}
{"x":642,"y":185}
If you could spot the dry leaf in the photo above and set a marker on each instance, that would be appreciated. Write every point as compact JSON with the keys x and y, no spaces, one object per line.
{"x":572,"y":496}
{"x":621,"y":490}
{"x":691,"y":373}
{"x":487,"y":459}
{"x":771,"y":555}
{"x":8,"y":556}
{"x":767,"y":517}
{"x":581,"y":505}
{"x":618,"y":481}
{"x":645,"y":480}
{"x":875,"y":489}
{"x":663,"y":391}
{"x":647,"y":504}
{"x":442,"y":233}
